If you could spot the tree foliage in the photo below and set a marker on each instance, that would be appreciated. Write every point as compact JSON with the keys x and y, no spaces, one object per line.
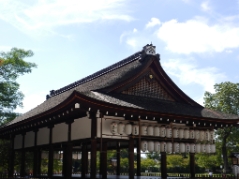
{"x":148,"y":164}
{"x":226,"y":100}
{"x":154,"y":155}
{"x":207,"y":161}
{"x":12,"y":65}
{"x":174,"y":161}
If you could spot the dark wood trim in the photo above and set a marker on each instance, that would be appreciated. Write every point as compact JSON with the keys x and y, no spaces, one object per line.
{"x":163,"y":165}
{"x":35,"y":157}
{"x":139,"y":151}
{"x":138,"y":157}
{"x":23,"y":158}
{"x":192,"y":165}
{"x":84,"y":161}
{"x":93,"y":145}
{"x":118,"y":158}
{"x":67,"y":159}
{"x":11,"y":157}
{"x":103,"y":161}
{"x":131,"y":158}
{"x":51,"y":151}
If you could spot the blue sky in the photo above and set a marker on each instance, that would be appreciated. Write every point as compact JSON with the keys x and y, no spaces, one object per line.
{"x":198,"y":40}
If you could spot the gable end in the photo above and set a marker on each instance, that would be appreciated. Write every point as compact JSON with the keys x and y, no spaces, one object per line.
{"x":148,"y":87}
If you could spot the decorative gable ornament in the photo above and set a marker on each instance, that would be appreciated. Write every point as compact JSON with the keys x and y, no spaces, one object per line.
{"x":149,"y":49}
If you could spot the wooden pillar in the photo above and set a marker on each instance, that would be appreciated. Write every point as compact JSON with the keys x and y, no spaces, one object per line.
{"x":103,"y":161}
{"x":93,"y":159}
{"x":138,"y":158}
{"x":93,"y":146}
{"x":39,"y":163}
{"x":131,"y":158}
{"x":138,"y":151}
{"x":118,"y":159}
{"x":11,"y":157}
{"x":67,"y":165}
{"x":192,"y":165}
{"x":22,"y":169}
{"x":67,"y":159}
{"x":84,"y":161}
{"x":50,"y":156}
{"x":163,"y":165}
{"x":36,"y":158}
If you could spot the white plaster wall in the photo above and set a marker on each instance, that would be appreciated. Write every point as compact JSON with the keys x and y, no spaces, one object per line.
{"x":81,"y":128}
{"x":43,"y":136}
{"x":59,"y":133}
{"x":18,"y":141}
{"x":29,"y":139}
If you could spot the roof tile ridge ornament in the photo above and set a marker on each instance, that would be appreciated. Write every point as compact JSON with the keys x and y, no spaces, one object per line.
{"x":135,"y":56}
{"x":149,"y":50}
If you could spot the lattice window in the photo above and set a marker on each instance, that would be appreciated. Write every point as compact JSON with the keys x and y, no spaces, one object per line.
{"x":148,"y":88}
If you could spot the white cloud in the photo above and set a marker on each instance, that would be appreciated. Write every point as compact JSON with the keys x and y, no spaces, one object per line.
{"x":188,"y":73}
{"x":135,"y":30}
{"x":135,"y":39}
{"x":131,"y":42}
{"x":153,"y":22}
{"x":186,"y":1}
{"x":45,"y":15}
{"x":196,"y":36}
{"x":205,"y":6}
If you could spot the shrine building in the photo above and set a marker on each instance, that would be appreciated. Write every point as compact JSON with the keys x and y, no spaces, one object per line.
{"x":132,"y":104}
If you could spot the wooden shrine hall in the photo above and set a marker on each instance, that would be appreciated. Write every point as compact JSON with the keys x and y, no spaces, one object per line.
{"x":132,"y":104}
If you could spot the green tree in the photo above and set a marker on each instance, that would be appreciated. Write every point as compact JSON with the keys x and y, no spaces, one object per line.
{"x":147,"y":164}
{"x":154,"y":155}
{"x":174,"y":161}
{"x":12,"y":65}
{"x":226,"y":100}
{"x":207,"y":161}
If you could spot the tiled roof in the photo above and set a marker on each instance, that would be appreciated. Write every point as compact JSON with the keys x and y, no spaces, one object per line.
{"x":106,"y":77}
{"x":119,"y":72}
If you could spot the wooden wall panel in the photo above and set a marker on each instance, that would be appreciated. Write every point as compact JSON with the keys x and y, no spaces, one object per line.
{"x":29,"y":139}
{"x":43,"y":136}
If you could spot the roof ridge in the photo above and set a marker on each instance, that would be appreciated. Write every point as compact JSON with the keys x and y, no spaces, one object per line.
{"x":96,"y":74}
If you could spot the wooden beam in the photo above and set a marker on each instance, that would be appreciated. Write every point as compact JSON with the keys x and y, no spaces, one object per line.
{"x":22,"y":169}
{"x":35,"y":157}
{"x":103,"y":161}
{"x":131,"y":158}
{"x":50,"y":154}
{"x":163,"y":165}
{"x":84,"y":161}
{"x":93,"y":145}
{"x":67,"y":161}
{"x":118,"y":158}
{"x":11,"y":157}
{"x":192,"y":165}
{"x":138,"y":150}
{"x":138,"y":157}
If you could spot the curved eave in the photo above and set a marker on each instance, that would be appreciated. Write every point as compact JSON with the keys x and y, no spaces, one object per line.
{"x":93,"y":105}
